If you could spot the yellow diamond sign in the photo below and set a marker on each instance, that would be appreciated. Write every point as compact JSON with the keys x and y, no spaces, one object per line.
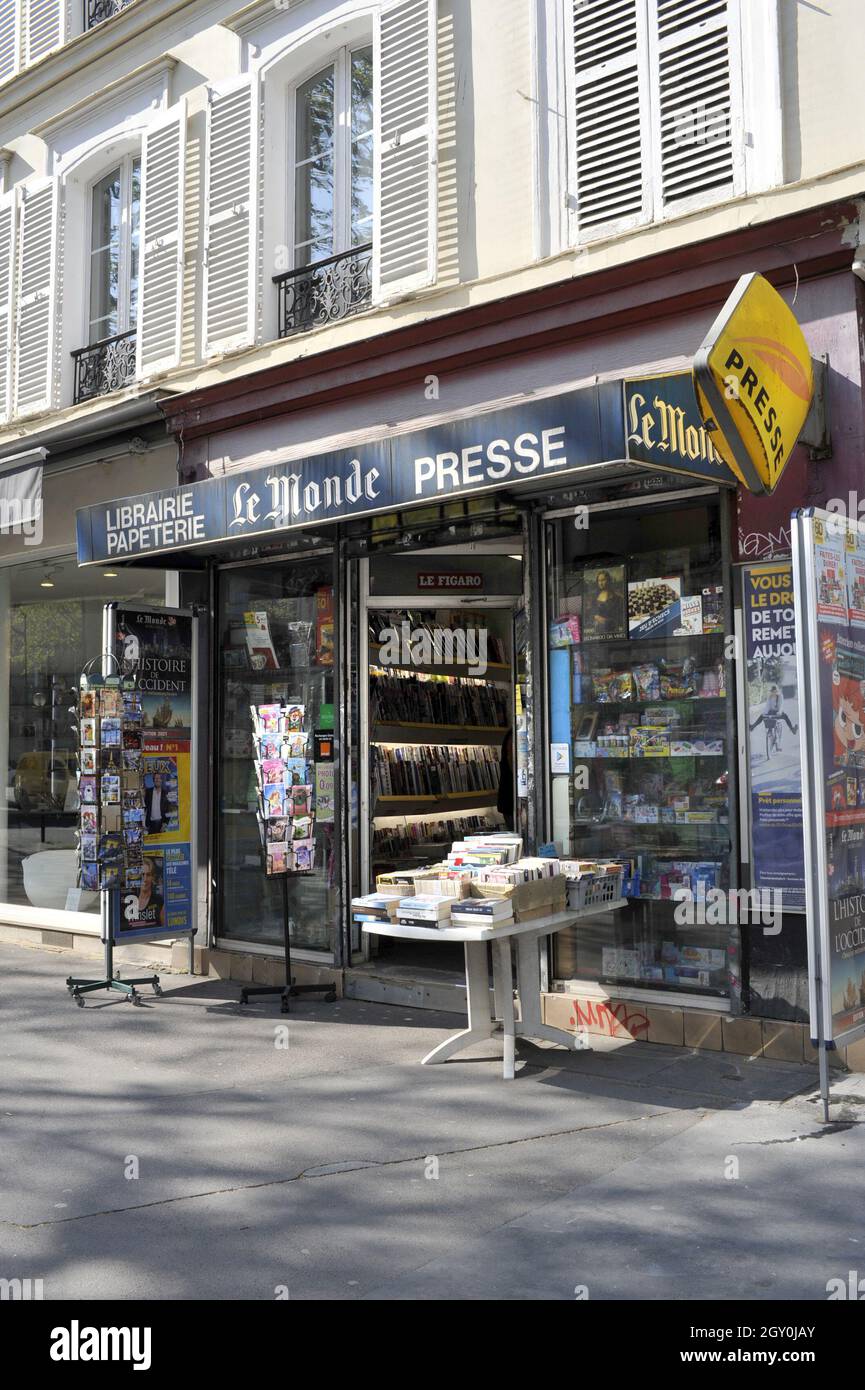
{"x":754,"y":383}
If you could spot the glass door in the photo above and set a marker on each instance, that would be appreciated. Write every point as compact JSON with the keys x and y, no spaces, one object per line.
{"x":275,"y":645}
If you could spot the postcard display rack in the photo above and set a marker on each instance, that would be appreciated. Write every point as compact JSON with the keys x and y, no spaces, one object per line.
{"x":286,"y":820}
{"x":639,"y":691}
{"x":111,"y":814}
{"x":435,"y":740}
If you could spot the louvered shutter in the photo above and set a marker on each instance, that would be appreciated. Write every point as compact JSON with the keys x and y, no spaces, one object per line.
{"x":696,"y":109}
{"x":44,"y":27}
{"x":161,"y":277}
{"x":7,"y":296}
{"x":404,"y":254}
{"x":36,"y":297}
{"x":10,"y":33}
{"x":611,"y":171}
{"x":231,"y":203}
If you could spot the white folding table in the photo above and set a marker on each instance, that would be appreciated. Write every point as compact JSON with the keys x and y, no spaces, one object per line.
{"x":482,"y":1022}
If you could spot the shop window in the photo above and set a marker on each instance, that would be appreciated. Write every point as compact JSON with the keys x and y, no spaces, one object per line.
{"x":332,"y":182}
{"x":109,"y":360}
{"x":276,"y":646}
{"x":641,"y":733}
{"x":50,"y":625}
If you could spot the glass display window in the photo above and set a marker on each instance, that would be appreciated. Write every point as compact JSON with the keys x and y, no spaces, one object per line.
{"x":50,"y":626}
{"x":640,"y":732}
{"x":276,"y":646}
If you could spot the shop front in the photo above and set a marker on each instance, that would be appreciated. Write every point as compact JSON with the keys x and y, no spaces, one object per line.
{"x":514,"y":618}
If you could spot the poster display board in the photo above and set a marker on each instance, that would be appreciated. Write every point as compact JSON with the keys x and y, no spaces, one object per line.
{"x":155,"y":647}
{"x":774,"y":765}
{"x":829,"y":572}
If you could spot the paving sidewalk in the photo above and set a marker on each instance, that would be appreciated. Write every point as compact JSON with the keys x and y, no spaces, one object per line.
{"x":179,"y":1150}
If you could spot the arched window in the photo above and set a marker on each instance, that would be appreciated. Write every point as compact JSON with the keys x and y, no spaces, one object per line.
{"x":115,"y":229}
{"x":333,"y":158}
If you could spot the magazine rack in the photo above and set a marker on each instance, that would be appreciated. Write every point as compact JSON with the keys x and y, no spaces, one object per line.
{"x":287,"y":990}
{"x":79,"y":986}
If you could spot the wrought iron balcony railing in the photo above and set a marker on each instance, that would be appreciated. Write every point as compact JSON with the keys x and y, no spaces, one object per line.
{"x":329,"y":290}
{"x":96,"y":11}
{"x":104,"y":366}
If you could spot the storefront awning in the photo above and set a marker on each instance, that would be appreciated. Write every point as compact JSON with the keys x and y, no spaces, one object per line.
{"x":651,"y":421}
{"x":21,"y":491}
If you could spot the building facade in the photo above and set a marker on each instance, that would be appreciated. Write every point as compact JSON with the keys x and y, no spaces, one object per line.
{"x":308,"y":234}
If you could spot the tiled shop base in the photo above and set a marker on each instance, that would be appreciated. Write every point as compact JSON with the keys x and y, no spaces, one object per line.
{"x":750,"y":1037}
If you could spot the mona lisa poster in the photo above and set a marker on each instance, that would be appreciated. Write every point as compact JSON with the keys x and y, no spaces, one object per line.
{"x":829,"y":565}
{"x":156,"y":647}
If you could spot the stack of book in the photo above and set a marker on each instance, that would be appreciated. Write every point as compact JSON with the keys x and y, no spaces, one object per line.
{"x":523,"y":871}
{"x":425,"y":910}
{"x":375,"y":907}
{"x":482,"y":912}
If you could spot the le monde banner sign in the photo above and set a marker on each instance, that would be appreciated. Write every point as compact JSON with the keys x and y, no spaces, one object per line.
{"x":653,"y":422}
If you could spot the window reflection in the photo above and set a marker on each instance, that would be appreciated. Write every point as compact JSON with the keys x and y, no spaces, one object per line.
{"x":50,"y":625}
{"x":333,"y":131}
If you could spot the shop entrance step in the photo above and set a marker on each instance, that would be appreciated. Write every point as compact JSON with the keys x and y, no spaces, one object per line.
{"x":402,"y":985}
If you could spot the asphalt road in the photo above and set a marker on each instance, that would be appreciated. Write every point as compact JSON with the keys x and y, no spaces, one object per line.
{"x":182,"y":1151}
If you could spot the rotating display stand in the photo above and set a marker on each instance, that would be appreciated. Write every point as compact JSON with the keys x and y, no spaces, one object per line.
{"x":101,"y":712}
{"x":78,"y":987}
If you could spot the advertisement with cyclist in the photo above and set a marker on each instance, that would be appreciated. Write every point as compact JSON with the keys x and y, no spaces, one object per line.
{"x":775,"y":777}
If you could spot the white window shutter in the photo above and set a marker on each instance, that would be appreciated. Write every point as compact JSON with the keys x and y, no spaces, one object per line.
{"x":36,"y":297}
{"x":10,"y":39}
{"x":697,"y":120}
{"x":610,"y":170}
{"x":160,"y":309}
{"x":404,"y":252}
{"x":7,"y":299}
{"x":231,"y":217}
{"x":44,"y":27}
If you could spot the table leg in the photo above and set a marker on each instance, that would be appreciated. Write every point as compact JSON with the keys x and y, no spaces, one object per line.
{"x":502,"y":952}
{"x":481,"y":1021}
{"x":529,"y":974}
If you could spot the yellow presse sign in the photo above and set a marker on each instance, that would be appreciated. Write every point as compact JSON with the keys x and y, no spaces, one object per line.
{"x":754,"y":383}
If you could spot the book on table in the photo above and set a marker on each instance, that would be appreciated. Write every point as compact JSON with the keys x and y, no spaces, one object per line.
{"x":482,"y":912}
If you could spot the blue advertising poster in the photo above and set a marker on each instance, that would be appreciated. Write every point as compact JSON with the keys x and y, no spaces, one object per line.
{"x":775,"y":774}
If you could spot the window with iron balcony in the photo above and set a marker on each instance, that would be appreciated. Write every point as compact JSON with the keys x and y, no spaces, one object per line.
{"x":97,"y":11}
{"x":108,"y":362}
{"x":332,"y":191}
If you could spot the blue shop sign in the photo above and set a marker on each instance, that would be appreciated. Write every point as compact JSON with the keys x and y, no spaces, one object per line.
{"x":536,"y":441}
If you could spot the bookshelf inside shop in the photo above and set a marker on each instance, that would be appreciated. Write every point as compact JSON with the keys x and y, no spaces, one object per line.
{"x":639,"y":692}
{"x":435,"y":731}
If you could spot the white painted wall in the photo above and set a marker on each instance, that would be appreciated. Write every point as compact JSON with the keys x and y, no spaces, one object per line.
{"x":66,"y":111}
